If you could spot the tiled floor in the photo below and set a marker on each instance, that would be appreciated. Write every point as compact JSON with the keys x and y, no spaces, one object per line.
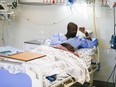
{"x":95,"y":84}
{"x":102,"y":84}
{"x":79,"y":85}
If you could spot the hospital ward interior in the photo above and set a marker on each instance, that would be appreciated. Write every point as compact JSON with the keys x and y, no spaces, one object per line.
{"x":57,"y":43}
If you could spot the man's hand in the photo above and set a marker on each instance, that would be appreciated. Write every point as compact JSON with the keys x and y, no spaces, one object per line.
{"x":68,"y":46}
{"x":82,"y":29}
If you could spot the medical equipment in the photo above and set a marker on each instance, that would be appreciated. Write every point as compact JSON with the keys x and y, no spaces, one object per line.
{"x":113,"y":42}
{"x":113,"y":37}
{"x":43,"y":2}
{"x":7,"y":10}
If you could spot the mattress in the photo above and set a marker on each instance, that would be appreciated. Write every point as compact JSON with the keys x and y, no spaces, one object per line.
{"x":58,"y":63}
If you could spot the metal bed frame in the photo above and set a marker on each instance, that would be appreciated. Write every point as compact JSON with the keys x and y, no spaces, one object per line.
{"x":95,"y":66}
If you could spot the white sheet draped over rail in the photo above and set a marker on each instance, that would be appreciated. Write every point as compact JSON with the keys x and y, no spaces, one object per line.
{"x":56,"y":61}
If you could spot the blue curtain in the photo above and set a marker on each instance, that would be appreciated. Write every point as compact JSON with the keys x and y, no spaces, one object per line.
{"x":14,"y":80}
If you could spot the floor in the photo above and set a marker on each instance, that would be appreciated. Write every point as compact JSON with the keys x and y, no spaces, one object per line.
{"x":102,"y":84}
{"x":80,"y":85}
{"x":95,"y":84}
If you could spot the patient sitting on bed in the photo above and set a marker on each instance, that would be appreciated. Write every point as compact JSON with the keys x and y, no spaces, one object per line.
{"x":72,"y":42}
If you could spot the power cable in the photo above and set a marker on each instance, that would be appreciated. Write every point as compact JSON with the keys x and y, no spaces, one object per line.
{"x":40,"y":24}
{"x":113,"y":76}
{"x":95,"y":28}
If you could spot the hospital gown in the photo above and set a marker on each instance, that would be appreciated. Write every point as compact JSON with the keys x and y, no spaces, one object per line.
{"x":76,"y":42}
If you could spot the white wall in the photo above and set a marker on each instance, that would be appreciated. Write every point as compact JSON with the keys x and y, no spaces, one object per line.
{"x":30,"y":21}
{"x":105,"y":28}
{"x":1,"y":34}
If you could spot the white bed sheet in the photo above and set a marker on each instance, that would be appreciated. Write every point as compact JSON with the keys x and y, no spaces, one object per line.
{"x":87,"y":54}
{"x":56,"y":61}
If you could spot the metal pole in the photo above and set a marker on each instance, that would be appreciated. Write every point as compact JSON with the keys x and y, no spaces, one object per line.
{"x":114,"y":20}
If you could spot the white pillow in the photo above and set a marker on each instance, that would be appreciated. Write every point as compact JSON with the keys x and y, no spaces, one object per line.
{"x":80,"y":34}
{"x":47,"y":42}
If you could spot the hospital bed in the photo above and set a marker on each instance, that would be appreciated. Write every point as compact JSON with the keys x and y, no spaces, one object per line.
{"x":58,"y":68}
